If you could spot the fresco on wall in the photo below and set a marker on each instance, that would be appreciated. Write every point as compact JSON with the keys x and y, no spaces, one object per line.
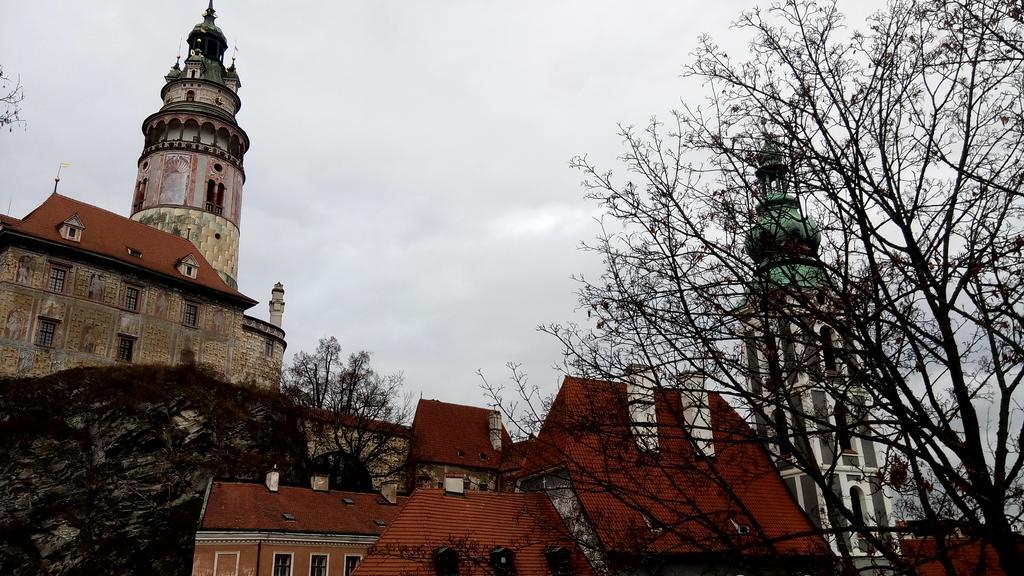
{"x":173,"y":188}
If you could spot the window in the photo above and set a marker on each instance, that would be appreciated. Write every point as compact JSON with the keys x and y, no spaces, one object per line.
{"x":843,"y":427}
{"x":131,"y":298}
{"x":318,"y":565}
{"x":72,"y":232}
{"x":350,"y":564}
{"x":282,"y":564}
{"x":558,"y":561}
{"x":503,"y":562}
{"x":446,"y":561}
{"x":483,"y":487}
{"x":57,"y":276}
{"x":191,"y":314}
{"x":125,"y":348}
{"x":190,"y":96}
{"x":781,"y":431}
{"x":268,"y":347}
{"x":857,"y":505}
{"x":828,"y":350}
{"x":47,"y":328}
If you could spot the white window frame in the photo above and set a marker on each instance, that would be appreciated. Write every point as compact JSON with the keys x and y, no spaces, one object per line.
{"x":327,"y":554}
{"x":345,"y":565}
{"x":216,"y":560}
{"x":291,"y":563}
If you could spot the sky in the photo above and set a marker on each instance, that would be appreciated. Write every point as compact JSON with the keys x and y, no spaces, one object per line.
{"x":408,"y":179}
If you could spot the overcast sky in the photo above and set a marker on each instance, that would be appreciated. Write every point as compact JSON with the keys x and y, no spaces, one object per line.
{"x":408,"y":178}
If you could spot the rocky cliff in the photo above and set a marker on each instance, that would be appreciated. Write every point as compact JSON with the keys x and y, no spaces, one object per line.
{"x":102,"y":470}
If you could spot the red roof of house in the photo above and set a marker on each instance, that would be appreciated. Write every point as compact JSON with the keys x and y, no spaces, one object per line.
{"x":446,"y":433}
{"x":252,"y":507}
{"x":473,"y":525}
{"x":675,"y":500}
{"x":969,"y":557}
{"x":111,"y":235}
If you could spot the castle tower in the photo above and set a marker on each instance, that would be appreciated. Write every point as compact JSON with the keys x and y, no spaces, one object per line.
{"x":190,"y":171}
{"x":810,"y":409}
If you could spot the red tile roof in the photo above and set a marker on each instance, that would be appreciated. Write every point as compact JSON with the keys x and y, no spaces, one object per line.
{"x":968,"y":557}
{"x":442,"y":431}
{"x":473,"y":525}
{"x":695,"y":499}
{"x":252,"y":507}
{"x":111,"y":235}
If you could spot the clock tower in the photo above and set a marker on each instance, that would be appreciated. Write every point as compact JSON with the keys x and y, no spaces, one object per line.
{"x":191,"y":170}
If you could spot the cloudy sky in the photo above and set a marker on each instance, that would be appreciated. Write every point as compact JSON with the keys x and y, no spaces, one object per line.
{"x":408,"y":178}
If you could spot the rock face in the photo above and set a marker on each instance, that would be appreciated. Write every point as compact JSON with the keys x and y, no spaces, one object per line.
{"x":103,"y":470}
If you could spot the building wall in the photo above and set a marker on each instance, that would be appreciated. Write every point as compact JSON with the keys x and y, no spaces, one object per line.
{"x":430,"y":475}
{"x":91,"y":316}
{"x":238,"y":558}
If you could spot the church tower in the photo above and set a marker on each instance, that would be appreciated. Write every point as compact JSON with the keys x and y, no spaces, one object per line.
{"x":809,"y":407}
{"x":191,"y":171}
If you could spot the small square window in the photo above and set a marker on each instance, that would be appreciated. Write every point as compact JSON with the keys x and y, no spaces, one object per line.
{"x":47,"y":329}
{"x":131,"y":298}
{"x":191,"y":314}
{"x":125,"y":348}
{"x":57,"y":277}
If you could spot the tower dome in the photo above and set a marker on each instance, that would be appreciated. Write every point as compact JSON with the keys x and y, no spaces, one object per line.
{"x":783,"y":241}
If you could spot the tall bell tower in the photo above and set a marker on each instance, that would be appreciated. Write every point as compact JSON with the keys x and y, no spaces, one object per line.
{"x":808,"y":405}
{"x":191,"y":171}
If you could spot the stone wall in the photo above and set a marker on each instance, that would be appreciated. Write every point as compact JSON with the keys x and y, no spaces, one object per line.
{"x":91,"y":317}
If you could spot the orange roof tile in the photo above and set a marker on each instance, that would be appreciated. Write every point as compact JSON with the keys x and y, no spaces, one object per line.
{"x":446,"y":433}
{"x":473,"y":525}
{"x":252,"y":507}
{"x":111,"y":235}
{"x":675,"y":500}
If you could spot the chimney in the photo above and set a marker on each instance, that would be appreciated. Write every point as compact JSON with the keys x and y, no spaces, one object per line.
{"x":272,"y":479}
{"x":320,"y":482}
{"x":494,"y":426}
{"x":454,"y":485}
{"x":640,"y":386}
{"x":277,"y":304}
{"x":696,"y":411}
{"x":389,"y":490}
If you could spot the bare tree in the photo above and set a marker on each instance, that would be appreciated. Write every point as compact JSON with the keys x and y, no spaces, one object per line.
{"x":11,"y":96}
{"x":833,"y":239}
{"x":355,"y":417}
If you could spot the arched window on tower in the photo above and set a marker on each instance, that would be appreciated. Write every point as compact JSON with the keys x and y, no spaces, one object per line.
{"x":140,"y":195}
{"x":190,"y":96}
{"x":843,"y":427}
{"x":781,"y":431}
{"x":828,"y":349}
{"x":211,"y":195}
{"x":219,"y":204}
{"x":857,"y":505}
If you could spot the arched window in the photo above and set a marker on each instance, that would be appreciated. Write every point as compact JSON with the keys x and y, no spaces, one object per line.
{"x":503,"y":561}
{"x":559,"y":561}
{"x":190,"y":96}
{"x":781,"y":431}
{"x":139,"y":196}
{"x":828,"y":350}
{"x":843,"y":426}
{"x":211,"y":195}
{"x":857,"y":505}
{"x":220,"y":195}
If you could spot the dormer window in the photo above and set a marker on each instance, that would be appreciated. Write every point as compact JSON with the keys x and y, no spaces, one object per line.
{"x":446,"y":561}
{"x":189,"y":266}
{"x":71,"y":229}
{"x":558,"y":561}
{"x":503,"y":562}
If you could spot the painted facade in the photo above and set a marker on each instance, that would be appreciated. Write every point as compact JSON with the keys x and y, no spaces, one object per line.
{"x":82,"y":286}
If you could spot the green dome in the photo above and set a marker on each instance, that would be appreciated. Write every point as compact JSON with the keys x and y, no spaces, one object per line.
{"x":780,"y":229}
{"x":783,"y":241}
